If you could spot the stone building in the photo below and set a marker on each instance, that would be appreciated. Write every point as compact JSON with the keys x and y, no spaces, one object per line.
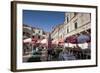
{"x":77,"y":23}
{"x":74,"y":24}
{"x":34,"y":36}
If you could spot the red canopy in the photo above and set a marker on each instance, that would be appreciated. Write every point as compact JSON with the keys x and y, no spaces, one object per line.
{"x":71,"y":39}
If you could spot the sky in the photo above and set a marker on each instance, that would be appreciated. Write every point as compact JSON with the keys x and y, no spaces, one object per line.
{"x":44,"y":20}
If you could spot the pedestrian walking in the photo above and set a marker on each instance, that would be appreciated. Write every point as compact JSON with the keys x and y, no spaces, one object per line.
{"x":66,"y":55}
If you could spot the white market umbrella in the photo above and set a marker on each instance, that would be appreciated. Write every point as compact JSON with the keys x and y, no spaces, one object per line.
{"x":29,"y":40}
{"x":44,"y":41}
{"x":83,"y":45}
{"x":72,"y":45}
{"x":54,"y":42}
{"x":38,"y":41}
{"x":66,"y":45}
